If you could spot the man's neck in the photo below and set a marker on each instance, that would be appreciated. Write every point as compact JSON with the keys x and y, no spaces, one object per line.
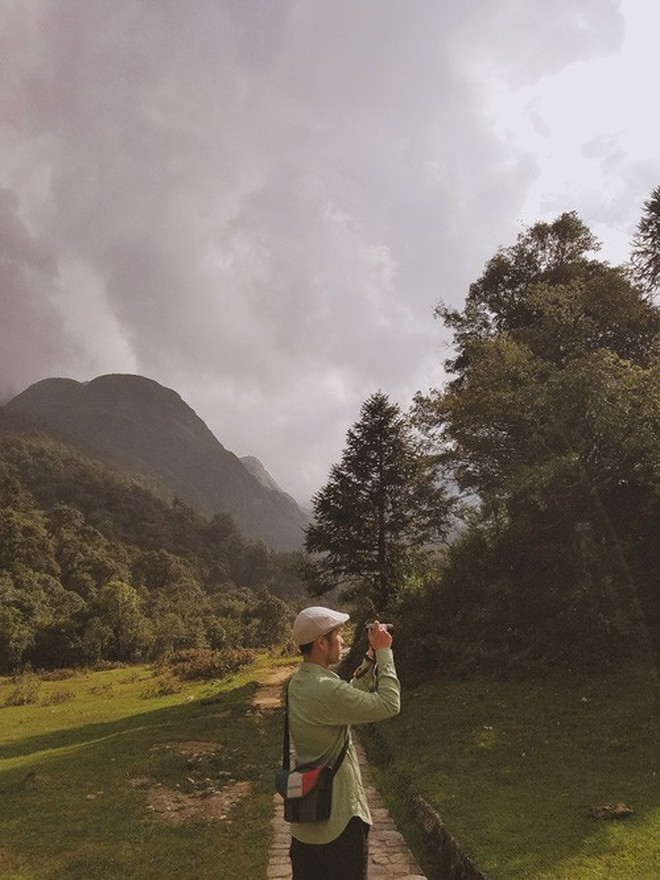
{"x":316,"y":660}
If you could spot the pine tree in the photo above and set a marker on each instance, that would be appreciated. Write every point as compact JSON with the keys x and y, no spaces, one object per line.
{"x":382,"y":507}
{"x":645,"y":258}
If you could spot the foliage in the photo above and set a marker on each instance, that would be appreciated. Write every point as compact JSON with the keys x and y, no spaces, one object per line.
{"x":645,"y":257}
{"x":508,"y":601}
{"x":95,"y":568}
{"x":163,"y":686}
{"x":193,"y":664}
{"x":269,"y":622}
{"x":57,"y":674}
{"x":382,"y":507}
{"x":551,"y":420}
{"x":24,"y":691}
{"x":64,"y":695}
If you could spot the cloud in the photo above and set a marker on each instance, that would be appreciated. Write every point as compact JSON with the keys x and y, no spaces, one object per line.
{"x":260,"y":204}
{"x":32,"y":337}
{"x":524,"y":42}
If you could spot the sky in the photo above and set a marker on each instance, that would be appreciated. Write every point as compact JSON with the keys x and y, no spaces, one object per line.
{"x":259,"y":203}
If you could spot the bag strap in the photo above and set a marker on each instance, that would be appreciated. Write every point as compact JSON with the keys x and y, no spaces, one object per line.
{"x":286,"y":741}
{"x":286,"y":748}
{"x":342,"y":755}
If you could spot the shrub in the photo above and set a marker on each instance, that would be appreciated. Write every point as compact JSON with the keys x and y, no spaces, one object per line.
{"x":205,"y":663}
{"x":57,"y":674}
{"x":56,"y":697}
{"x":132,"y":677}
{"x":25,"y":690}
{"x":96,"y":689}
{"x":163,"y":687}
{"x":105,"y":665}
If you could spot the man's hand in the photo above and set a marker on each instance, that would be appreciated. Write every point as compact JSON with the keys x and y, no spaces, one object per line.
{"x":379,"y":637}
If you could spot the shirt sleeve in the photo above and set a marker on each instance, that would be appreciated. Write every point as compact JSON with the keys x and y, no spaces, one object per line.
{"x":344,"y":703}
{"x":363,"y":677}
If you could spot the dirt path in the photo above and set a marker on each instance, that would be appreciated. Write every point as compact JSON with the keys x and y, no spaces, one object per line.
{"x":268,"y":694}
{"x":389,"y":857}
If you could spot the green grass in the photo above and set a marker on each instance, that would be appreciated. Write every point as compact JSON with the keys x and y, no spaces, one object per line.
{"x":514,"y":767}
{"x":69,"y":806}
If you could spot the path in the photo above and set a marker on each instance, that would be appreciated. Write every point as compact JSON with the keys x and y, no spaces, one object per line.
{"x":389,"y":857}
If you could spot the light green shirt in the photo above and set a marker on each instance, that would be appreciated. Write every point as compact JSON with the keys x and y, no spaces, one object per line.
{"x":321,"y":709}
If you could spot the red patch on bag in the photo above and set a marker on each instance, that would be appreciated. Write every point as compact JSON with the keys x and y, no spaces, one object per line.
{"x":309,"y":778}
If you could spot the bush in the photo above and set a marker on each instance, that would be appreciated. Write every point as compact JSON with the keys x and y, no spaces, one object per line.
{"x":106,"y":665}
{"x":97,"y":689}
{"x":132,"y":677}
{"x":205,"y":663}
{"x":164,"y":687}
{"x":56,"y":697}
{"x":25,"y":690}
{"x":57,"y":674}
{"x":504,"y":604}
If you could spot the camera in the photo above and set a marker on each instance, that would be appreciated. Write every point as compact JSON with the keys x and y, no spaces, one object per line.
{"x":388,"y":626}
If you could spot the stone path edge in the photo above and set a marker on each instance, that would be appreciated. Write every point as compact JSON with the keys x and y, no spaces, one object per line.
{"x":449,"y":860}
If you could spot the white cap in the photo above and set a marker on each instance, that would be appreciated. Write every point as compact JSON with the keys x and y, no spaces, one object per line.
{"x":314,"y":622}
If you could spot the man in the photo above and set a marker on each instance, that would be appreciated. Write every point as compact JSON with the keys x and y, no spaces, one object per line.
{"x":321,"y":709}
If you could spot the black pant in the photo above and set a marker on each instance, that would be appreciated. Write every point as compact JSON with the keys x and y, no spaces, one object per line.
{"x":345,"y":858}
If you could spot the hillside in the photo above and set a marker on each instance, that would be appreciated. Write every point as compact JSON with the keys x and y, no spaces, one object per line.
{"x":256,"y":468}
{"x":94,"y":567}
{"x":137,"y":425}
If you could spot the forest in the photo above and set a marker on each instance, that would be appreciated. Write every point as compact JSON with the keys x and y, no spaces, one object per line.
{"x":510,"y":519}
{"x":94,"y":567}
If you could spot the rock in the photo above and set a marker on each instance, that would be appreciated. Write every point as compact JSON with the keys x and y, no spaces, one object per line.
{"x":611,"y":811}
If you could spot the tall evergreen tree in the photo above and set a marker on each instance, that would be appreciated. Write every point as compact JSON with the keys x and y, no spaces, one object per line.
{"x":382,"y":506}
{"x":645,"y":257}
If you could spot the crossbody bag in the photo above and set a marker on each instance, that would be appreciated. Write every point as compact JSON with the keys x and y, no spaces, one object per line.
{"x":307,"y":789}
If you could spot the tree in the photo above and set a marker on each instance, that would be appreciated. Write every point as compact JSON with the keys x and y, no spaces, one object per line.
{"x":17,"y":624}
{"x":268,"y":621}
{"x":382,"y":505}
{"x":24,"y":541}
{"x":645,"y":257}
{"x":552,"y":416}
{"x":538,"y":327}
{"x":118,"y":608}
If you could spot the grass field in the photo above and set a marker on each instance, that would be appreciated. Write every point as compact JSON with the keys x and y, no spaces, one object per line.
{"x":515,"y":767}
{"x":97,"y":775}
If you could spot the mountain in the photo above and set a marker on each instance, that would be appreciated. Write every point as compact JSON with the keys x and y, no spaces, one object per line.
{"x":138,"y":426}
{"x":257,"y":470}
